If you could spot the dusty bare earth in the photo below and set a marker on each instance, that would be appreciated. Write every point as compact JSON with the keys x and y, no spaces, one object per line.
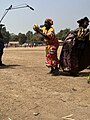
{"x":27,"y":92}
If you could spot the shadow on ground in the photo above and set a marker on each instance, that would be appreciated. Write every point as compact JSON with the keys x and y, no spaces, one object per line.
{"x":13,"y":66}
{"x":80,"y":74}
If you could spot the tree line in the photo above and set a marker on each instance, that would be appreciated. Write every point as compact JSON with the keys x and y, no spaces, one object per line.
{"x":29,"y":37}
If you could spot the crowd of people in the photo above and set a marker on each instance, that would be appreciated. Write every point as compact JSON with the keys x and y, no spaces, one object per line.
{"x":74,"y":55}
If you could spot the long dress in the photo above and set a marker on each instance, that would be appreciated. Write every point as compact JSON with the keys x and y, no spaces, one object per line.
{"x":75,"y":56}
{"x":52,"y":45}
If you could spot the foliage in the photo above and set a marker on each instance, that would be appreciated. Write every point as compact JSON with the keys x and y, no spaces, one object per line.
{"x":6,"y":35}
{"x":29,"y":36}
{"x":22,"y":38}
{"x":14,"y":37}
{"x":62,"y":34}
{"x":37,"y":37}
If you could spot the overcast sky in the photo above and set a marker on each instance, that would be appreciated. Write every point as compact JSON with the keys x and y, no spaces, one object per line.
{"x":64,"y":13}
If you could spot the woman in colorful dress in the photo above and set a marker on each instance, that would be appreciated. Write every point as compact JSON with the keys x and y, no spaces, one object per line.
{"x":52,"y":45}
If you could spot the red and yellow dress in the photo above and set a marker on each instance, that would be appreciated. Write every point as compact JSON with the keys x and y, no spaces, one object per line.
{"x":51,"y":48}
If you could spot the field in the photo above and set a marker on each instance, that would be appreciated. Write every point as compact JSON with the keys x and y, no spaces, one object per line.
{"x":28,"y":92}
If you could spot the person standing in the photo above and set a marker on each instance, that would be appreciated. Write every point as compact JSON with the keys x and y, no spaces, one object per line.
{"x":1,"y":45}
{"x":73,"y":57}
{"x":52,"y":45}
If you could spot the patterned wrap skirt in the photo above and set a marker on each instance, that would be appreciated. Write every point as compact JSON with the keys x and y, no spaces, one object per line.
{"x":51,"y":55}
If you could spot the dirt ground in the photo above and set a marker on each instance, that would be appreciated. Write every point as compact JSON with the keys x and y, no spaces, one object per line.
{"x":28,"y":92}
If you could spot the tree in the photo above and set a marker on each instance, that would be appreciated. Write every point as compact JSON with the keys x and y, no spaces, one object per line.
{"x":14,"y":37}
{"x":22,"y":38}
{"x":29,"y":36}
{"x":37,"y":38}
{"x":62,"y":34}
{"x":6,"y":35}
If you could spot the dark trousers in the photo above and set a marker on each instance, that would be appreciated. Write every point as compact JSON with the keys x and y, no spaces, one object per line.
{"x":1,"y":53}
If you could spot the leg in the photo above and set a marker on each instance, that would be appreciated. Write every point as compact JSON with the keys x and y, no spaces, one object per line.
{"x":52,"y":70}
{"x":1,"y":54}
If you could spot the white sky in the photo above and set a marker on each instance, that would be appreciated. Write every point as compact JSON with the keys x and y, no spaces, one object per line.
{"x":64,"y":13}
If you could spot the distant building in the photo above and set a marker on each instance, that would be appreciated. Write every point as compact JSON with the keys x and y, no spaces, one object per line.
{"x":13,"y":44}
